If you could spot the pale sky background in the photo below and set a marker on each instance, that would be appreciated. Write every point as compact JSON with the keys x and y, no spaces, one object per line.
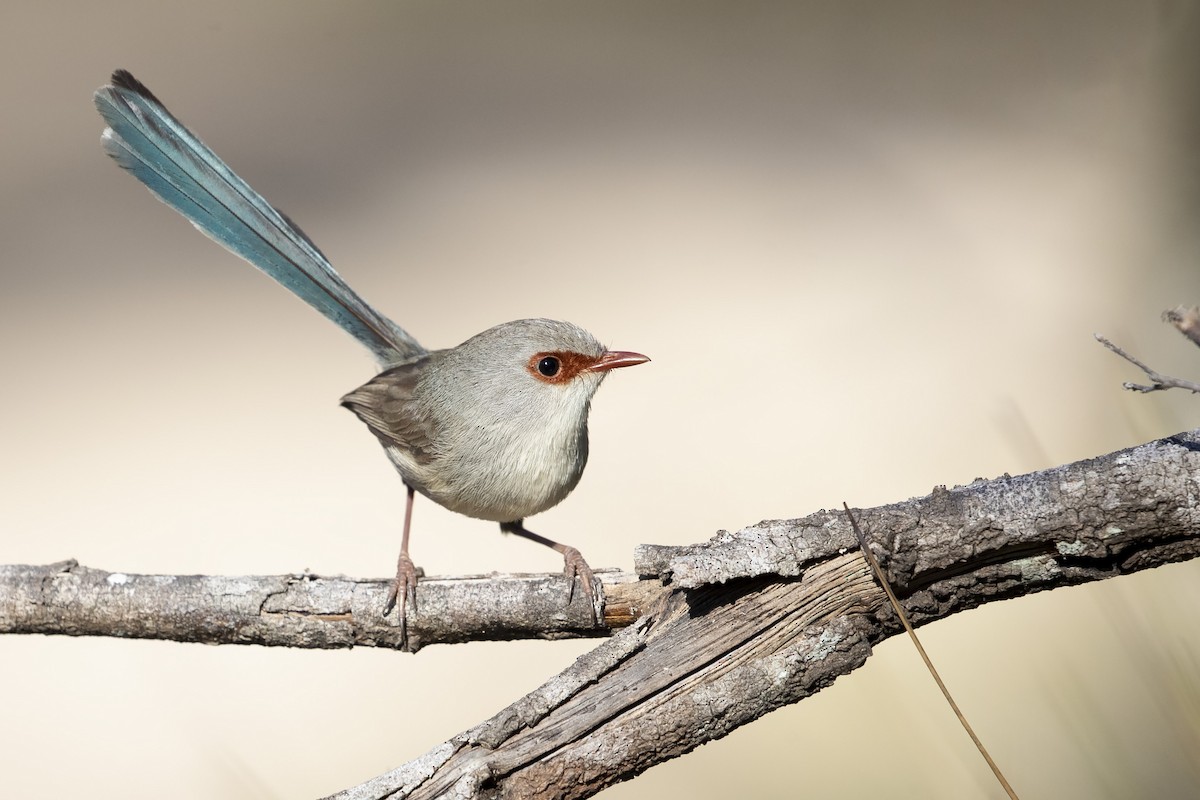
{"x":866,"y":246}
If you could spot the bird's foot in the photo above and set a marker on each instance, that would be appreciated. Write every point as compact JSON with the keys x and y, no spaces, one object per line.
{"x":403,"y":592}
{"x":574,"y":566}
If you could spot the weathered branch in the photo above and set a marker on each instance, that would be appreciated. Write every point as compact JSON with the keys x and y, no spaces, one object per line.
{"x":305,"y":610}
{"x":740,"y":625}
{"x":766,"y":616}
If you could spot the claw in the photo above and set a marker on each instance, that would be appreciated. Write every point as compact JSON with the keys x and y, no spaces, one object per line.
{"x":404,"y":590}
{"x":574,"y":566}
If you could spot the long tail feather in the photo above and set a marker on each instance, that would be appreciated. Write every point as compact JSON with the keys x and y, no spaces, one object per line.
{"x":144,"y":138}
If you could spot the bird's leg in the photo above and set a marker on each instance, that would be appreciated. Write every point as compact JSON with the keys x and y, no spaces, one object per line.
{"x":573,"y":564}
{"x":404,"y":585}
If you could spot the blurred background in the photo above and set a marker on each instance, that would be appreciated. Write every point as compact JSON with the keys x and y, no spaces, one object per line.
{"x":865,"y":244}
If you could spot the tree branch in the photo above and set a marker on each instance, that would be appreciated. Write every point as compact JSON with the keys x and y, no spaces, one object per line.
{"x":305,"y":610}
{"x":1187,"y":322}
{"x":728,"y":630}
{"x":764,"y":617}
{"x":1158,"y":381}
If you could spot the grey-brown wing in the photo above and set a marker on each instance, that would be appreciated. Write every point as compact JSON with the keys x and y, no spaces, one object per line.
{"x":387,"y":404}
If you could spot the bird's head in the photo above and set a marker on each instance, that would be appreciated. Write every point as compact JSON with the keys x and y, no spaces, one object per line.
{"x":542,"y":365}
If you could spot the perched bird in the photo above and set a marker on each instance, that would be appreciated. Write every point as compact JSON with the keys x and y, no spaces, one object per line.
{"x":495,"y":428}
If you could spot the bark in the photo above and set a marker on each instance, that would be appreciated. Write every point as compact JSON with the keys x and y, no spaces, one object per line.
{"x":722,"y":632}
{"x":304,"y":610}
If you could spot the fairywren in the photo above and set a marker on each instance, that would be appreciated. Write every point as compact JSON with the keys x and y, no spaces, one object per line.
{"x":495,"y":428}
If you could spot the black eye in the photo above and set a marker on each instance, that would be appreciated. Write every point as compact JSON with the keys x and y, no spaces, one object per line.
{"x":549,"y":366}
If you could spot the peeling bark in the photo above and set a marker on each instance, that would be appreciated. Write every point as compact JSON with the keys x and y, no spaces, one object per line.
{"x":722,"y":632}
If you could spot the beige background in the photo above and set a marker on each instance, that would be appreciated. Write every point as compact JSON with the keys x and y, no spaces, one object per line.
{"x":866,"y":247}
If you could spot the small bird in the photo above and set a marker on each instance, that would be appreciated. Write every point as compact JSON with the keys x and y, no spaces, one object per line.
{"x":495,"y":428}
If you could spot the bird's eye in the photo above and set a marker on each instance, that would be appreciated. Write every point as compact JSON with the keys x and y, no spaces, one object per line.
{"x":549,"y":366}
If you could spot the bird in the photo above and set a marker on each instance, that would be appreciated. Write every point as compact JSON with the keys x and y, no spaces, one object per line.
{"x":494,"y":428}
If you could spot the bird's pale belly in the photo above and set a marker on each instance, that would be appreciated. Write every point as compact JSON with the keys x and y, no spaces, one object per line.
{"x":517,"y":486}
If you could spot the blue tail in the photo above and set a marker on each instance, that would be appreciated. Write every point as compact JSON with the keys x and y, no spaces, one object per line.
{"x":144,"y":138}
